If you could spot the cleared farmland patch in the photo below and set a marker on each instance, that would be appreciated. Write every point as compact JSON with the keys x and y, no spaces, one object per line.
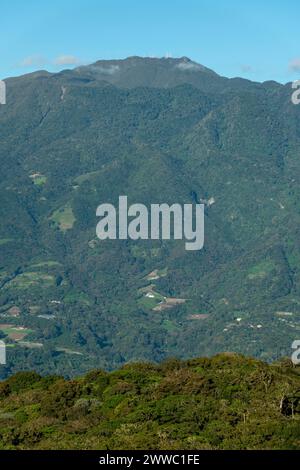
{"x":198,"y":316}
{"x":63,"y":218}
{"x":150,"y":299}
{"x":167,"y":303}
{"x":30,"y":279}
{"x":47,"y":264}
{"x":38,"y":179}
{"x":156,"y":274}
{"x":4,"y":241}
{"x":14,"y":332}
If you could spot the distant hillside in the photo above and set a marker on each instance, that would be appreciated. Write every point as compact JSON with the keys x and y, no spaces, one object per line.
{"x":227,"y":402}
{"x":157,"y":130}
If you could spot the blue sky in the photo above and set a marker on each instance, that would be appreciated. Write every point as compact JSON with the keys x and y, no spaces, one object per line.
{"x":254,"y":39}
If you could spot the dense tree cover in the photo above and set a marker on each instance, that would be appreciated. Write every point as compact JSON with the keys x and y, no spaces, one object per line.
{"x":71,"y":141}
{"x":224,"y":402}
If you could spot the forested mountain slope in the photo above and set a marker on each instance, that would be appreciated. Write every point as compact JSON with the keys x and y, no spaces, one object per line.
{"x":157,"y":130}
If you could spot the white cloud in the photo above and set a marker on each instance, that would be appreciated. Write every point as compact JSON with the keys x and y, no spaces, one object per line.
{"x":106,"y":69}
{"x":109,"y":70}
{"x":33,"y":61}
{"x":294,"y":65}
{"x":189,"y":66}
{"x":66,"y":60}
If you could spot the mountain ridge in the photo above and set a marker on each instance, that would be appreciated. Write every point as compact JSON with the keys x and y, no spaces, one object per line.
{"x":107,"y":67}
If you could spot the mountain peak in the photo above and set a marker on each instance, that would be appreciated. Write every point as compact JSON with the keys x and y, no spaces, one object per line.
{"x":157,"y":72}
{"x":139,"y":60}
